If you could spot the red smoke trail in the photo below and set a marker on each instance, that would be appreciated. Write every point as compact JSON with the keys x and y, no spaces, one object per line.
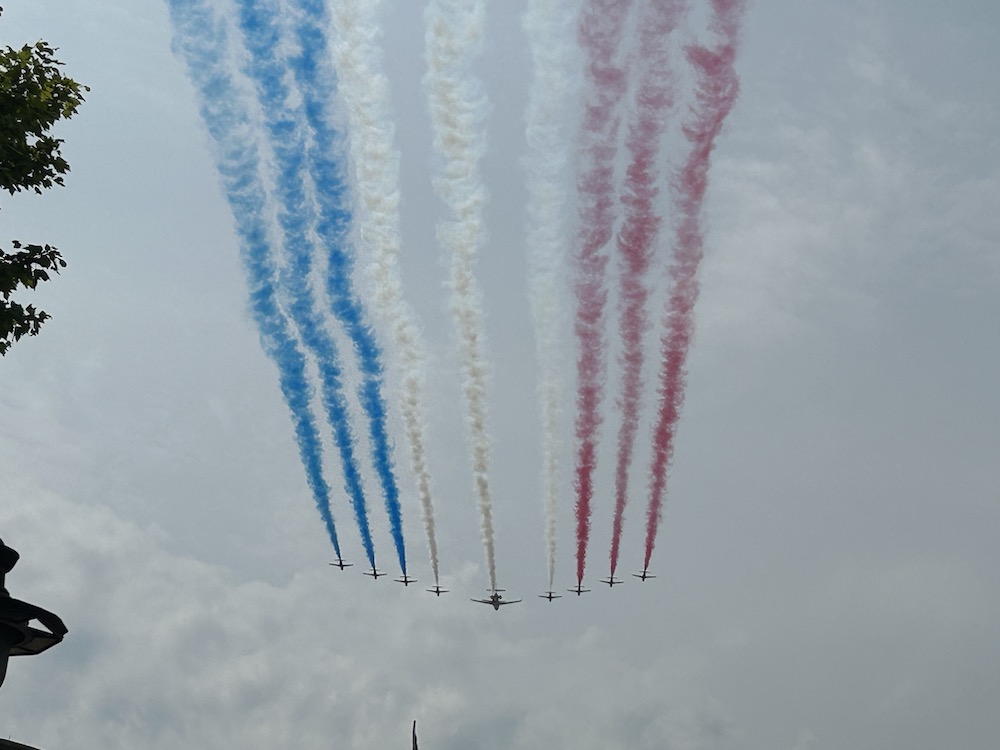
{"x":717,"y":87}
{"x":600,"y":31}
{"x":641,"y":229}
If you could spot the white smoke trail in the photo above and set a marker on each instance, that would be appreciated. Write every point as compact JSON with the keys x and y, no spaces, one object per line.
{"x":364,"y":89}
{"x":546,"y":23}
{"x":454,"y":33}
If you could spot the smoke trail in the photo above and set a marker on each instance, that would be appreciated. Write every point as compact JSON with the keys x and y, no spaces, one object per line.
{"x":286,"y":135}
{"x":717,"y":87}
{"x":457,"y":105}
{"x":545,"y":22}
{"x":600,"y":32}
{"x":316,"y":85}
{"x":640,"y":231}
{"x":201,"y":40}
{"x":365,"y":89}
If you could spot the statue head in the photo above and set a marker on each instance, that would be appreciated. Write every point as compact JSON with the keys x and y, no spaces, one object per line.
{"x":8,"y":559}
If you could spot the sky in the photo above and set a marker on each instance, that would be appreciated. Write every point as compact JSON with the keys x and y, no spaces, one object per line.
{"x":827,"y":562}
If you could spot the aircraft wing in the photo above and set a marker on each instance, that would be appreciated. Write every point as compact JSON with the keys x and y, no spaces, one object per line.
{"x":512,"y":601}
{"x":483,"y":601}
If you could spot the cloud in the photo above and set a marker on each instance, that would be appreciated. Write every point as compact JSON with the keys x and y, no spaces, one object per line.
{"x":165,"y":649}
{"x":827,"y":203}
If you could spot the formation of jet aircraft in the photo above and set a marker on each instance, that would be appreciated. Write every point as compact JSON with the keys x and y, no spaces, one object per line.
{"x":495,"y":600}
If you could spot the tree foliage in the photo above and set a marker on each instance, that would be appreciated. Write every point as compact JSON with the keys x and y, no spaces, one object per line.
{"x":34,"y":96}
{"x":26,"y":267}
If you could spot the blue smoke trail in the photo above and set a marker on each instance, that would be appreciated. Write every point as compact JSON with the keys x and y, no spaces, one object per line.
{"x":317,"y":86}
{"x":260,"y":26}
{"x":201,"y":40}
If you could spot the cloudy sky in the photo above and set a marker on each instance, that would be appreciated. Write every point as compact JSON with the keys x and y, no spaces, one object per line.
{"x":828,"y":567}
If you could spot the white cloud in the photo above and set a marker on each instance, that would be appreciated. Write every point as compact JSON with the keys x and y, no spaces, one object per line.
{"x":164,"y":649}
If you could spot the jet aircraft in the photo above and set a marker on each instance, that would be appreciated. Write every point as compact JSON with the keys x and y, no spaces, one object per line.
{"x":496,"y":601}
{"x":437,"y":590}
{"x":579,"y":589}
{"x":341,"y":564}
{"x":612,"y":581}
{"x":644,"y":575}
{"x":550,"y":595}
{"x":406,"y":580}
{"x":375,"y":573}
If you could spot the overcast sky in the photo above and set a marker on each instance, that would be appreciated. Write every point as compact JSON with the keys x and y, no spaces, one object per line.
{"x":828,"y":569}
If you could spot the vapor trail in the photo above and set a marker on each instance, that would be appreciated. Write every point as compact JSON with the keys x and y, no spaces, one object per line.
{"x":285,"y":128}
{"x":717,"y":87}
{"x":365,"y":90}
{"x":316,"y":83}
{"x":600,"y":32}
{"x":200,"y":39}
{"x":641,"y":228}
{"x":457,"y":105}
{"x":546,"y":22}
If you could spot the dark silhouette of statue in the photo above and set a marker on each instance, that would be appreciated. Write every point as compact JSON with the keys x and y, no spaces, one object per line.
{"x":24,"y":628}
